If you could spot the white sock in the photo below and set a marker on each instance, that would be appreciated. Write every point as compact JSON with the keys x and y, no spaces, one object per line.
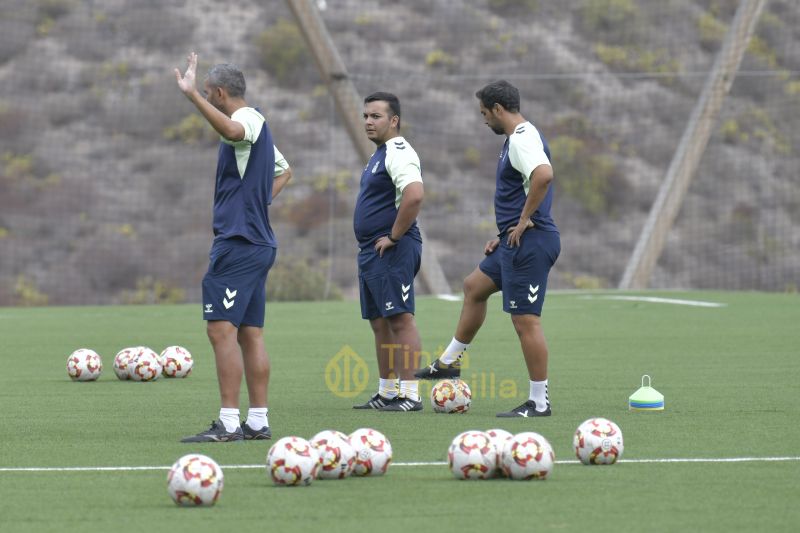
{"x":229,"y":416}
{"x":257,"y":417}
{"x":410,"y":390}
{"x":539,"y":395}
{"x":453,"y":351}
{"x":387,"y":388}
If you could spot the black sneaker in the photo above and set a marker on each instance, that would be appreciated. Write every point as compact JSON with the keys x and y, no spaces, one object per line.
{"x":439,"y":370}
{"x":403,"y":404}
{"x":216,"y":433}
{"x":376,"y":402}
{"x":256,"y":434}
{"x":526,"y":410}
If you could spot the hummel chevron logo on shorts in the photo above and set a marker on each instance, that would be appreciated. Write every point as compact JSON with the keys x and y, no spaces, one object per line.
{"x":230,"y":294}
{"x":534,"y":293}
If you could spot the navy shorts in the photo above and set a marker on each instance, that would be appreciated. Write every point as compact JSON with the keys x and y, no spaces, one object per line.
{"x":234,"y":288}
{"x":521,"y":272}
{"x":386,"y":284}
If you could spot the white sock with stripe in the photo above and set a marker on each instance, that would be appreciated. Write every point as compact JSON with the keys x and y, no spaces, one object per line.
{"x":538,"y":394}
{"x":453,"y":351}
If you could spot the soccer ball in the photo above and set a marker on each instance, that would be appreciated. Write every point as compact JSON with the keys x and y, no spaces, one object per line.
{"x":472,"y":456}
{"x":84,"y":365}
{"x":194,"y":479}
{"x":293,"y":461}
{"x":499,"y":438}
{"x":373,"y":452}
{"x":598,"y":441}
{"x":335,"y":453}
{"x":527,"y":455}
{"x":122,"y":360}
{"x":145,"y":365}
{"x":451,"y":396}
{"x":176,"y":362}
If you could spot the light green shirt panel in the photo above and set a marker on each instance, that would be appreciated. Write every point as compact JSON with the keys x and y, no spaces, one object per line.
{"x":526,"y":152}
{"x":402,"y":164}
{"x":280,"y":162}
{"x":252,"y":121}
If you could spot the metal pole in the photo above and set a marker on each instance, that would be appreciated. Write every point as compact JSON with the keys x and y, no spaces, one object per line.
{"x":690,"y":150}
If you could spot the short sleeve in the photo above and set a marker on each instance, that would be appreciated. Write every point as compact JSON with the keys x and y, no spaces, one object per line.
{"x":526,"y":152}
{"x":402,"y":163}
{"x":251,"y":120}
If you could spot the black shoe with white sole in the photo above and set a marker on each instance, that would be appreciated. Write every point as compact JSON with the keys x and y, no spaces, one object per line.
{"x":526,"y":410}
{"x":439,"y":370}
{"x":403,"y":404}
{"x":376,"y":402}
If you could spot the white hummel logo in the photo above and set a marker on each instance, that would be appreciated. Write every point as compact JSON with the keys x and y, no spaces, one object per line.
{"x":230,"y":294}
{"x":533,"y":296}
{"x":208,"y":308}
{"x":375,"y":168}
{"x":405,"y":288}
{"x":389,"y":306}
{"x":512,"y":304}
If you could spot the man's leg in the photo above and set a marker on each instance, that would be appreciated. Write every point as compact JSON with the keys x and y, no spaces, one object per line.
{"x":534,"y":347}
{"x":256,"y":374}
{"x":228,"y":357}
{"x":478,"y":287}
{"x":385,"y":347}
{"x":405,"y":360}
{"x":405,"y":334}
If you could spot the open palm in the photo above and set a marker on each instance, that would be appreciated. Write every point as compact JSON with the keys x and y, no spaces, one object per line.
{"x":186,"y":83}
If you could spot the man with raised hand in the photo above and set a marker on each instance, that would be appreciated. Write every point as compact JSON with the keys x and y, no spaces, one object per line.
{"x":519,"y":259}
{"x":250,"y":171}
{"x":390,"y":243}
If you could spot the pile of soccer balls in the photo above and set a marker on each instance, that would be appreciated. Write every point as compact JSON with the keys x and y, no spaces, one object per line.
{"x":494,"y":453}
{"x":196,"y":479}
{"x":138,"y":363}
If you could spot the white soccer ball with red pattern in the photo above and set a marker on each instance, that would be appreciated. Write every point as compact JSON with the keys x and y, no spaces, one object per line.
{"x":84,"y":365}
{"x":527,"y":455}
{"x":336,"y":455}
{"x":121,"y":361}
{"x":499,"y":438}
{"x":195,"y":480}
{"x":451,"y":396}
{"x":598,"y":441}
{"x":373,"y":452}
{"x":472,"y":456}
{"x":145,"y":366}
{"x":176,"y":362}
{"x":293,"y":461}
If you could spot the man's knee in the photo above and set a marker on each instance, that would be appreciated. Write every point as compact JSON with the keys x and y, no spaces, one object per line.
{"x":220,"y":331}
{"x":478,"y":287}
{"x":401,"y":322}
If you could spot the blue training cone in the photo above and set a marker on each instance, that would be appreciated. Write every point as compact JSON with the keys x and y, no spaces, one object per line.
{"x":646,"y":398}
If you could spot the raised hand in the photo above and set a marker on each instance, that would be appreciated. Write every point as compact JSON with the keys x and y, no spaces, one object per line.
{"x":186,"y":83}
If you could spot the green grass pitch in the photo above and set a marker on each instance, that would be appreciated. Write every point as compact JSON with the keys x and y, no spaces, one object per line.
{"x":730,"y":376}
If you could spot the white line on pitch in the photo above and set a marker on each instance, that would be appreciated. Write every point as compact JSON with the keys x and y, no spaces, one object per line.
{"x":654,"y":299}
{"x":431,"y":463}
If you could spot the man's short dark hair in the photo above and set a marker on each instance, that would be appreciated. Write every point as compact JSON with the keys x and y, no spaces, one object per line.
{"x":500,"y":92}
{"x":389,"y":98}
{"x":228,"y":77}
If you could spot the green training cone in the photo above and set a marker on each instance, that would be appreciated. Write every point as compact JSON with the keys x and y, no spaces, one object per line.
{"x":646,"y":398}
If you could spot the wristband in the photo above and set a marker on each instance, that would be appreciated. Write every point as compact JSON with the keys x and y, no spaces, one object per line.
{"x":392,"y":239}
